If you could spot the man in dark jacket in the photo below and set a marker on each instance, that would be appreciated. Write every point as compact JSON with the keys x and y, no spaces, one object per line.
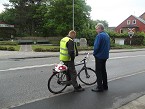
{"x":101,"y":54}
{"x":68,"y":52}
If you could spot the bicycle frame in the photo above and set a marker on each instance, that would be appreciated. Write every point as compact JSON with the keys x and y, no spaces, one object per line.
{"x":83,"y":62}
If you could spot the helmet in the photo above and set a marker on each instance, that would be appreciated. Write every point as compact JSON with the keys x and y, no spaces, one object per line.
{"x":60,"y":68}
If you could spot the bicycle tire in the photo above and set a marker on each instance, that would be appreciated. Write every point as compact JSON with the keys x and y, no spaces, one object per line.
{"x":84,"y":79}
{"x":60,"y":87}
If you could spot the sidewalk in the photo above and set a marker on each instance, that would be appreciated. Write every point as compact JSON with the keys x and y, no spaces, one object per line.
{"x":136,"y":104}
{"x":25,"y":55}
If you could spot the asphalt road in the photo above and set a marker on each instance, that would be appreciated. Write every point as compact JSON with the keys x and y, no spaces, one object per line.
{"x":25,"y":80}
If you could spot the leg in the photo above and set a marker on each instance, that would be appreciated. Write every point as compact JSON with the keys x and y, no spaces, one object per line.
{"x":67,"y":73}
{"x":73,"y":75}
{"x":98,"y":65}
{"x":105,"y":83}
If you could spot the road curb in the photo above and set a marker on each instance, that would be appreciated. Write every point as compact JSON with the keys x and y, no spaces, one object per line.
{"x":81,"y":53}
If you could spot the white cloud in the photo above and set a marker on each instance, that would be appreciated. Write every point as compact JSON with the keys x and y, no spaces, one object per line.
{"x":1,"y":4}
{"x":115,"y":11}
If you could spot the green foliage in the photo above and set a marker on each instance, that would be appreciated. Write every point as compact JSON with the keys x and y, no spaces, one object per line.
{"x":45,"y":48}
{"x":9,"y":48}
{"x":3,"y":48}
{"x":112,"y":42}
{"x":139,"y":34}
{"x":46,"y":17}
{"x":8,"y":43}
{"x":113,"y":34}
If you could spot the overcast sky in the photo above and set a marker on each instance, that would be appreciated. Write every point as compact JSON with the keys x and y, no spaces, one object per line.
{"x":113,"y":11}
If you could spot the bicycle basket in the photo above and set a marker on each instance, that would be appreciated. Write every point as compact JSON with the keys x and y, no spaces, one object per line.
{"x":60,"y":68}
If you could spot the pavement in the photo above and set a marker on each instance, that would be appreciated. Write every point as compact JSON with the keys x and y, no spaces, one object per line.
{"x":25,"y":55}
{"x":87,"y":99}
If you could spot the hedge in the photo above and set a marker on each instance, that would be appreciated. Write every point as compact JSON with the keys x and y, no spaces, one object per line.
{"x":8,"y":43}
{"x":7,"y":48}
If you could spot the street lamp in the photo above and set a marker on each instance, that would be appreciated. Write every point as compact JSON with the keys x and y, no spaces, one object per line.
{"x":73,"y":15}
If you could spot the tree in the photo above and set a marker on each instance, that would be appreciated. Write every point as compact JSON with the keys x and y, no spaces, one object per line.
{"x":60,"y":16}
{"x":23,"y":13}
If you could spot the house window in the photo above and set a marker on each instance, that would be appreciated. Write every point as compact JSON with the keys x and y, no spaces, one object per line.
{"x":128,"y":22}
{"x":133,"y":21}
{"x":121,"y":31}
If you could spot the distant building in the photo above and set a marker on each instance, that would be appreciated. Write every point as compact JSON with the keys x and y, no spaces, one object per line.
{"x":132,"y":22}
{"x":7,"y":31}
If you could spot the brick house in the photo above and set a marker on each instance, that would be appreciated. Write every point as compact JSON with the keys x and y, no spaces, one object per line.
{"x":132,"y":22}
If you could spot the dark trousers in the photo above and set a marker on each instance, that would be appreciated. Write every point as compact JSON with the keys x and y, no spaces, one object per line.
{"x":71,"y":73}
{"x":101,"y":73}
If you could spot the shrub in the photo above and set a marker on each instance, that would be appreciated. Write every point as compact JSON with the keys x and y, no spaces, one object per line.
{"x":3,"y":48}
{"x":39,"y":50}
{"x":11,"y":49}
{"x":8,"y":43}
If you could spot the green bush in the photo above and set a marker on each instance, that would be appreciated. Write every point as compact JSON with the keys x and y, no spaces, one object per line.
{"x":39,"y":50}
{"x":112,"y":43}
{"x":8,"y":43}
{"x":11,"y":49}
{"x":3,"y":48}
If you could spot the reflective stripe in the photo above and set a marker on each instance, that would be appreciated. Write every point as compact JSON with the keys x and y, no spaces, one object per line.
{"x":63,"y":49}
{"x":64,"y":54}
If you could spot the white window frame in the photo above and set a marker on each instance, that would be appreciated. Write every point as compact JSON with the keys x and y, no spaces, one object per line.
{"x":128,"y":22}
{"x":121,"y":31}
{"x":133,"y":21}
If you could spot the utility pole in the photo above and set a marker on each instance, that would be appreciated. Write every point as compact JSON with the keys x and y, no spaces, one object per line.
{"x":73,"y":15}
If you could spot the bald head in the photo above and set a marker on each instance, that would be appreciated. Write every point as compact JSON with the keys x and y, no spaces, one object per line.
{"x":72,"y":34}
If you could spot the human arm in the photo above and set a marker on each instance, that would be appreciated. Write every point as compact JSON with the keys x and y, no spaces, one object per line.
{"x":97,"y":44}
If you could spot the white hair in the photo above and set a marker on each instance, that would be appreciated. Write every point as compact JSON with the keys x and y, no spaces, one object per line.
{"x":100,"y":25}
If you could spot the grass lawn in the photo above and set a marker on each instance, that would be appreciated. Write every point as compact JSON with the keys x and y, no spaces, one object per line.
{"x":10,"y":47}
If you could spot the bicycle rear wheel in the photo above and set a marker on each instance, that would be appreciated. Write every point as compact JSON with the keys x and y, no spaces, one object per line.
{"x":87,"y":76}
{"x":56,"y":82}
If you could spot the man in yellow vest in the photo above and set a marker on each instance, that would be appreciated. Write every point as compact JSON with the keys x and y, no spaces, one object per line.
{"x":68,"y":51}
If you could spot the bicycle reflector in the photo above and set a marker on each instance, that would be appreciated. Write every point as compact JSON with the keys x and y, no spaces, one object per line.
{"x":60,"y":68}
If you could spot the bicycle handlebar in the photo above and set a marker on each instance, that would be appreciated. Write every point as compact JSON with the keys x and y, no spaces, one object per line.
{"x":85,"y":58}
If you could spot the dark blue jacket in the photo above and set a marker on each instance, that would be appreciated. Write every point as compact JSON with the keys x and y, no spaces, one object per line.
{"x":102,"y":46}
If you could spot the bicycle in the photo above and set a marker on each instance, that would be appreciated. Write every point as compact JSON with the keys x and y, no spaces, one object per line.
{"x":86,"y":75}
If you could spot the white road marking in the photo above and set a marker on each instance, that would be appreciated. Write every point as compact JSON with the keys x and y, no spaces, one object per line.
{"x":27,"y":67}
{"x":124,"y":57}
{"x":38,"y":66}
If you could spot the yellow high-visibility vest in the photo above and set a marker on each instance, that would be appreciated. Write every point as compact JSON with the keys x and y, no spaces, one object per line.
{"x":64,"y":56}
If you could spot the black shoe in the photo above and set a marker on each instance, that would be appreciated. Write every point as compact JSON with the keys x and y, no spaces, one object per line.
{"x":79,"y":89}
{"x":69,"y":84}
{"x":105,"y":88}
{"x":97,"y":90}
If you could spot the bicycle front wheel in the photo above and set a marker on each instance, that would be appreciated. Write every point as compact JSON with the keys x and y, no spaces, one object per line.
{"x":56,"y":82}
{"x":87,"y":76}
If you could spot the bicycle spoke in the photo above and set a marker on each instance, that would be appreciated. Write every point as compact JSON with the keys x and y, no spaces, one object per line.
{"x":55,"y":84}
{"x":87,"y":76}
